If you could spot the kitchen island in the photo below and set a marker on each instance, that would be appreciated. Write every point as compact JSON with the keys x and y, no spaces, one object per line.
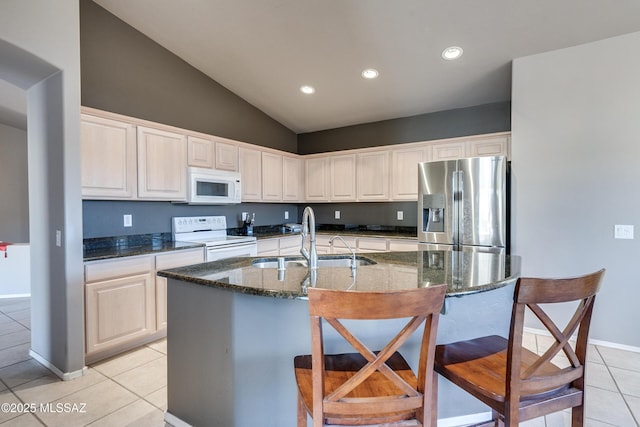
{"x":234,"y":328}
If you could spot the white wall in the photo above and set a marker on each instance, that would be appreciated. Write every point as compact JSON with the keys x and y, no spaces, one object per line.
{"x":14,"y":185}
{"x":575,"y":163}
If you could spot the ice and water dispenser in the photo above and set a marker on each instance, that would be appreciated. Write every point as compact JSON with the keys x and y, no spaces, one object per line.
{"x":433,"y":206}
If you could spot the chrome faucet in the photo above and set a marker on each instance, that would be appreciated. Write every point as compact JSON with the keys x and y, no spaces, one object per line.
{"x":353,"y":254}
{"x":309,"y":227}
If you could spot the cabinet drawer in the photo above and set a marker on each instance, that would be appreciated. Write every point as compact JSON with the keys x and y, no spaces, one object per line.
{"x":179,"y":258}
{"x":372,"y":244}
{"x":403,"y":245}
{"x":108,"y":269}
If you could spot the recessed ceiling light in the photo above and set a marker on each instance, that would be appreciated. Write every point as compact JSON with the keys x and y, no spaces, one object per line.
{"x":451,"y":53}
{"x":307,"y":89}
{"x":370,"y":73}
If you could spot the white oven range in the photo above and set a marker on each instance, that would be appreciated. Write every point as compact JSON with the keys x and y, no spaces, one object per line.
{"x":212,"y":232}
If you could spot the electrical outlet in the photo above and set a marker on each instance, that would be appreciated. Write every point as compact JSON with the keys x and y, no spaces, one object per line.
{"x":337,"y":215}
{"x":245,"y":215}
{"x":623,"y":231}
{"x":58,"y":238}
{"x":286,"y":214}
{"x":400,"y":215}
{"x":128,"y":220}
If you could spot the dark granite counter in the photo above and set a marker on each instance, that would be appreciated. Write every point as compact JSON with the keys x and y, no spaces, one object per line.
{"x":271,"y":231}
{"x":123,"y":246}
{"x":463,"y":272}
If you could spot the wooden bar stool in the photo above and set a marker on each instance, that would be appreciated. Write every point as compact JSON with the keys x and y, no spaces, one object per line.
{"x":369,"y":387}
{"x":516,"y":383}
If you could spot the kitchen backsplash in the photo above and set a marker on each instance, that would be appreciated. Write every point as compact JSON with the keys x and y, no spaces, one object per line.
{"x":103,"y":218}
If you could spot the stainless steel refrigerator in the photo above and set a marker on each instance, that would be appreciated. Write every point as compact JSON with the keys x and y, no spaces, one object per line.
{"x":462,"y":204}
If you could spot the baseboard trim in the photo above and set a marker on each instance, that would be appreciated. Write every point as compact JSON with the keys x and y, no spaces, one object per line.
{"x":15,"y":296}
{"x":174,"y":421}
{"x":464,"y":420}
{"x":591,"y":341}
{"x":64,"y":376}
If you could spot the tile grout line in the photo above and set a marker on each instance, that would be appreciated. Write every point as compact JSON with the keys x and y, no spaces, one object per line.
{"x":613,"y":378}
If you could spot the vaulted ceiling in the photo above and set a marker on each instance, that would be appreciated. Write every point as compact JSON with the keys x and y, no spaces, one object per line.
{"x":265,"y":50}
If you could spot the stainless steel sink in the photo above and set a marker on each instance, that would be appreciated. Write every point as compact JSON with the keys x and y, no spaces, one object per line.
{"x":323,"y":262}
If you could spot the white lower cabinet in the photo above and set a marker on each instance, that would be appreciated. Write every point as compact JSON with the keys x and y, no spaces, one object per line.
{"x":372,"y":244}
{"x":119,"y":302}
{"x":268,"y":247}
{"x":402,"y":245}
{"x":165,"y":261}
{"x":125,"y":303}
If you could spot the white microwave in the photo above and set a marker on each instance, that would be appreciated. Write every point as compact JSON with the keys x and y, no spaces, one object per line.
{"x":213,"y":187}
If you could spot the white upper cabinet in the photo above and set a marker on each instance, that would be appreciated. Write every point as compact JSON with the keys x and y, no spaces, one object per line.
{"x":448,"y":150}
{"x":489,"y":146}
{"x":162,"y":161}
{"x":292,"y":179}
{"x":226,"y":156}
{"x":373,"y":176}
{"x":404,"y":171}
{"x":343,"y":178}
{"x":272,"y":174}
{"x":200,"y":152}
{"x":108,"y":158}
{"x":317,"y":171}
{"x":250,"y":165}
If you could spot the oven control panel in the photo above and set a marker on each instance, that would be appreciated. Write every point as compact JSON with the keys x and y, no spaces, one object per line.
{"x":186,"y":224}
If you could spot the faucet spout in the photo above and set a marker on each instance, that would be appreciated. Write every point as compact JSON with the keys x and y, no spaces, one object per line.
{"x":353,"y":254}
{"x":309,"y":228}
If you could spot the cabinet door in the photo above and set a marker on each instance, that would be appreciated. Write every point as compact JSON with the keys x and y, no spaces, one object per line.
{"x":119,"y":311}
{"x":108,"y":149}
{"x":489,"y":146}
{"x":290,"y":245}
{"x":250,"y":163}
{"x":268,"y":247}
{"x":373,"y":176}
{"x":448,"y":150}
{"x":372,"y":244}
{"x":292,"y":179}
{"x":162,"y":161}
{"x":171,"y":260}
{"x":404,"y":172}
{"x":200,"y":152}
{"x":317,"y":179}
{"x":343,"y":178}
{"x":226,"y":156}
{"x":271,"y":177}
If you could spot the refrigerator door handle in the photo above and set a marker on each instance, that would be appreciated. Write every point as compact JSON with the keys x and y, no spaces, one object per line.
{"x":457,"y":187}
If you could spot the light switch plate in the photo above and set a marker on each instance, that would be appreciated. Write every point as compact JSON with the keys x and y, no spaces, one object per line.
{"x":623,"y":231}
{"x":128,"y":220}
{"x":400,"y":215}
{"x":337,"y":215}
{"x":286,"y":214}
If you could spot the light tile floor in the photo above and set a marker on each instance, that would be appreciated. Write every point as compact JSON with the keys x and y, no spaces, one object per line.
{"x":131,"y":389}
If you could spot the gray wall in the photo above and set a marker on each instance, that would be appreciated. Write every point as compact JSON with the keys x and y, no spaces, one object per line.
{"x":124,"y":71}
{"x":575,"y":158}
{"x":476,"y":120}
{"x":14,"y":185}
{"x":39,"y":52}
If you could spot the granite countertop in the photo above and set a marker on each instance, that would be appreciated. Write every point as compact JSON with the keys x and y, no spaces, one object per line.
{"x":100,"y":248}
{"x":273,"y":231}
{"x":463,"y":272}
{"x":123,"y":246}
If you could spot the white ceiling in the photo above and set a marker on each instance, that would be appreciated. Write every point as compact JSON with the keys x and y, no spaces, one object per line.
{"x":264,"y":50}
